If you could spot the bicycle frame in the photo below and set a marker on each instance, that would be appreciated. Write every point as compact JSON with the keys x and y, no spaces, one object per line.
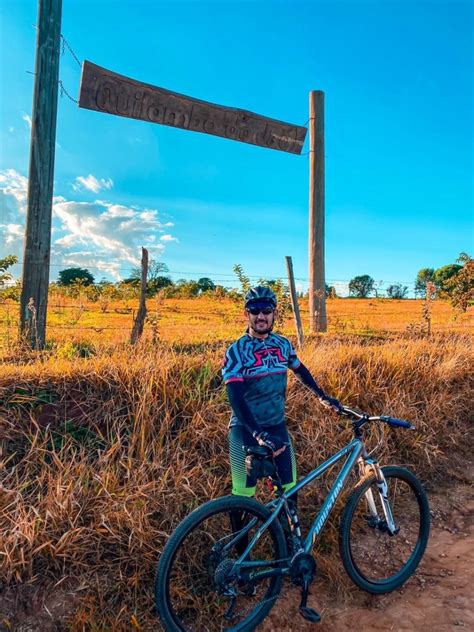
{"x":354,"y":450}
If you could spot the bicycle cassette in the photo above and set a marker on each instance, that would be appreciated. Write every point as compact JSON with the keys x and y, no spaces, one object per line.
{"x":222,"y":575}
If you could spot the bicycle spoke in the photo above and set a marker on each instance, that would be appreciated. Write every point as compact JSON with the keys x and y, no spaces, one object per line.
{"x":377,"y":554}
{"x":200,"y":596}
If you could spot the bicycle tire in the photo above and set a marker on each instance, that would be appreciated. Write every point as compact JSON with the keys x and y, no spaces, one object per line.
{"x":163,"y":600}
{"x":362,"y":560}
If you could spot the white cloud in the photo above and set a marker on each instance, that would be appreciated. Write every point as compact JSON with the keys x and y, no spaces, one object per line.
{"x":13,"y":233}
{"x":27,"y":119}
{"x":14,"y":185}
{"x":148,"y":215}
{"x":116,"y":210}
{"x":91,"y":183}
{"x":168,"y":238}
{"x":99,"y":235}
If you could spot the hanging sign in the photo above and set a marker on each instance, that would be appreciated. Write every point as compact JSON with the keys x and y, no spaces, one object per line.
{"x":108,"y":92}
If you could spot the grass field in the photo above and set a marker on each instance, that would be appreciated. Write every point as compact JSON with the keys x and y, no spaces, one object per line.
{"x":211,"y":320}
{"x":102,"y":456}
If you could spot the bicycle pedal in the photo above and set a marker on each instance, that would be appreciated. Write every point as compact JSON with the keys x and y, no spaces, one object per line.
{"x":310,"y":614}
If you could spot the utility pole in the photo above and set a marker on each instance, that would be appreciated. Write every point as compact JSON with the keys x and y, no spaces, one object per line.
{"x":317,"y":284}
{"x":35,"y":278}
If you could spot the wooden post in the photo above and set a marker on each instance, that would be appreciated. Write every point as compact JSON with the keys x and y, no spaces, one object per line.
{"x":294,"y":302}
{"x":141,"y":314}
{"x":317,"y":285}
{"x":35,"y":277}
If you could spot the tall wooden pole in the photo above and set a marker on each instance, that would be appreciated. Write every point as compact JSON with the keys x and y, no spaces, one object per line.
{"x":294,"y":302}
{"x":34,"y":293}
{"x":139,"y":323}
{"x":317,"y":285}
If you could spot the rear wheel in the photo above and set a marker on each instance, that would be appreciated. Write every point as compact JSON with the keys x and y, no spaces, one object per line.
{"x":376,"y":560}
{"x":195,"y":589}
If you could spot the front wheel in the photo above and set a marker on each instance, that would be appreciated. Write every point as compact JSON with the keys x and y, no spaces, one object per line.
{"x":376,"y":559}
{"x":196,"y":587}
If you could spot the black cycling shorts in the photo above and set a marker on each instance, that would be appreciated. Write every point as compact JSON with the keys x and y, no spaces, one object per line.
{"x":244,"y":485}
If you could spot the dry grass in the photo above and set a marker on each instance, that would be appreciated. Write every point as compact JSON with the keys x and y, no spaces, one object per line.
{"x":102,"y":457}
{"x":206,"y":319}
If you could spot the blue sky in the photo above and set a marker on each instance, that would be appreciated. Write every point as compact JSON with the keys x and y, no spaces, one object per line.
{"x":398,"y":79}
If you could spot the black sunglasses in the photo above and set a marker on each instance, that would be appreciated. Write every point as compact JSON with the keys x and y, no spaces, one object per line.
{"x":257,"y":310}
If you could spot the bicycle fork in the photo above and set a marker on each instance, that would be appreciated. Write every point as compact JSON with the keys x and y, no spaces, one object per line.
{"x":388,"y":521}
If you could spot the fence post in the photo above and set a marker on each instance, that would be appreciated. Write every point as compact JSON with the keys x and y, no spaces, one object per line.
{"x":141,"y":314}
{"x":294,"y":302}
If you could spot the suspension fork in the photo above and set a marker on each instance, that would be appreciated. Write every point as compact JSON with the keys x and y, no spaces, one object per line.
{"x":366,"y":465}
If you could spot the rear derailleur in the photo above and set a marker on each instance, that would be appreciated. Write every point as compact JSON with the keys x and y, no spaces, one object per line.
{"x":302,"y":573}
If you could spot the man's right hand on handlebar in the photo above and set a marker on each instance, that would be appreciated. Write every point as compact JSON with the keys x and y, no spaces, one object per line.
{"x":332,"y":403}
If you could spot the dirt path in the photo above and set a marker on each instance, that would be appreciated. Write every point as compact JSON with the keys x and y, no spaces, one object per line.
{"x":439,"y":598}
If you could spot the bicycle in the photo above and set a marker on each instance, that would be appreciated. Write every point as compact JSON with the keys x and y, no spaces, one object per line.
{"x":213,"y":577}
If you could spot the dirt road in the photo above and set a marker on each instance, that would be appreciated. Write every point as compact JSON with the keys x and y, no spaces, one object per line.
{"x":439,"y":598}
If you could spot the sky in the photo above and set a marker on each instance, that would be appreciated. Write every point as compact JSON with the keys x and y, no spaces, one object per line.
{"x":398,"y":83}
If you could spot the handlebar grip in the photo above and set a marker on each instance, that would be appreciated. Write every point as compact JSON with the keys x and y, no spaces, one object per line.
{"x":392,"y":421}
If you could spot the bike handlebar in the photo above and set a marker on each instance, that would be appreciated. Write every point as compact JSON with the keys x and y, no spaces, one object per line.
{"x":363,"y":418}
{"x":393,"y":421}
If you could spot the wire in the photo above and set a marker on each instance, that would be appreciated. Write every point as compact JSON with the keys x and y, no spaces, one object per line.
{"x":63,"y":92}
{"x":65,"y":44}
{"x":330,"y":280}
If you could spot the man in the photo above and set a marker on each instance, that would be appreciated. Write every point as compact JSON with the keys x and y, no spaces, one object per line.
{"x":255,"y":373}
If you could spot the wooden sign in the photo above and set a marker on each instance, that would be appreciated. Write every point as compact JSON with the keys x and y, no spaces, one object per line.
{"x":106,"y":91}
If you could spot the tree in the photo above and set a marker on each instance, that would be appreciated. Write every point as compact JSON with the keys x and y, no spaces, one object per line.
{"x":158,"y":283}
{"x":156,"y":280}
{"x":70,"y":275}
{"x":243,"y":278}
{"x":397,"y":290}
{"x":377,"y":289}
{"x":185,"y":289}
{"x":220,"y":291}
{"x":361,"y":286}
{"x":461,"y":286}
{"x":330,"y":291}
{"x":135,"y":282}
{"x":6,"y":263}
{"x":105,"y":293}
{"x":206,"y":284}
{"x":155,"y":269}
{"x":443,"y":274}
{"x":424,"y":276}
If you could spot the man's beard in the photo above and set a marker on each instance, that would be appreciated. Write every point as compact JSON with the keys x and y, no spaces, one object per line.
{"x":265,"y":331}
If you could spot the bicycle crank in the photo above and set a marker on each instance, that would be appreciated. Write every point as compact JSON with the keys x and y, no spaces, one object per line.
{"x":302,"y":573}
{"x":302,"y":568}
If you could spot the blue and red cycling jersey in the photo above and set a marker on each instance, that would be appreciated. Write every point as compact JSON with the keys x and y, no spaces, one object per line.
{"x":262,"y":364}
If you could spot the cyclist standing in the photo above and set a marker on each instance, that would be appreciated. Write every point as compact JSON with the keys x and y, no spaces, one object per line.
{"x":255,"y":373}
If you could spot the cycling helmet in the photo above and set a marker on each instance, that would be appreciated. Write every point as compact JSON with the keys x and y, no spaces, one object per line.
{"x":260,"y":295}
